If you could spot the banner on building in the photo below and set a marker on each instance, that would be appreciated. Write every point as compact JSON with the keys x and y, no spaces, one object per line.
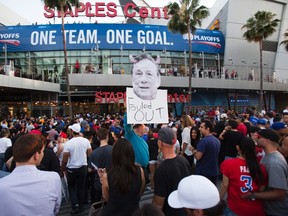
{"x":107,"y":37}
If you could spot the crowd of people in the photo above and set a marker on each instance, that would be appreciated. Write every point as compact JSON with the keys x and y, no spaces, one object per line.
{"x":214,"y":163}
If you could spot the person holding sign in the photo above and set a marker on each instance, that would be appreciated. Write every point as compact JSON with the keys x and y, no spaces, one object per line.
{"x":134,"y":135}
{"x":145,"y":76}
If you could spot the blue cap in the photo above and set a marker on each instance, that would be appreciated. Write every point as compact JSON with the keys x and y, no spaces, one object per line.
{"x":261,"y":121}
{"x":278,"y":125}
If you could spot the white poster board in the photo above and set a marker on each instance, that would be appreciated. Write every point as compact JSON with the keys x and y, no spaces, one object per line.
{"x":146,"y":111}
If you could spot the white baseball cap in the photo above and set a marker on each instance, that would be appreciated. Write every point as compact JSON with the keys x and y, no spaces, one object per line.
{"x":75,"y":127}
{"x":194,"y":192}
{"x":223,"y":115}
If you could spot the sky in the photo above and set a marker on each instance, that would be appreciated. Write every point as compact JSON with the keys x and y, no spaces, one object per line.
{"x":32,"y":10}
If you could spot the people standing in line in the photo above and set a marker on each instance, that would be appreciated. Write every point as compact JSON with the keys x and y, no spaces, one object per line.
{"x":246,"y":122}
{"x":253,"y":133}
{"x":275,"y":196}
{"x":77,"y":66}
{"x":5,"y":143}
{"x":187,"y":123}
{"x":283,"y":147}
{"x":52,"y":132}
{"x":207,"y":152}
{"x":230,"y":137}
{"x":195,"y":137}
{"x":21,"y":130}
{"x":90,"y":179}
{"x":100,"y":158}
{"x":124,"y":183}
{"x":50,"y":161}
{"x":198,"y":195}
{"x":241,"y":127}
{"x":169,"y":173}
{"x":285,"y":117}
{"x":220,"y":125}
{"x":27,"y":190}
{"x":241,"y":175}
{"x":153,"y":153}
{"x":140,"y":147}
{"x":74,"y":162}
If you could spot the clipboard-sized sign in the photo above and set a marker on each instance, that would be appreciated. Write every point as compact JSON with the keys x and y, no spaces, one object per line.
{"x":146,"y":111}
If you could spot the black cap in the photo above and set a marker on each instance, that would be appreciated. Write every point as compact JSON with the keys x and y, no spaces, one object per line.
{"x":167,"y":135}
{"x":269,"y":134}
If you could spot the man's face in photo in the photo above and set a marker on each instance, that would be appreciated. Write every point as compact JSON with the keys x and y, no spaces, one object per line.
{"x":145,"y":79}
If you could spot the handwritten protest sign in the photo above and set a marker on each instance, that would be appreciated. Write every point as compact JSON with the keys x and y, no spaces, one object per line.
{"x":146,"y":111}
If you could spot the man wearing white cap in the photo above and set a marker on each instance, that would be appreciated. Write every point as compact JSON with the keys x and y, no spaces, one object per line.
{"x":76,"y":151}
{"x":198,"y":195}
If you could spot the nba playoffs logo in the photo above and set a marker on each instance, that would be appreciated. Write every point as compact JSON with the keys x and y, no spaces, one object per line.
{"x":204,"y":39}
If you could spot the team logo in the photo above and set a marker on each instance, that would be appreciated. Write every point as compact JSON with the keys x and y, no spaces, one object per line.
{"x":207,"y":40}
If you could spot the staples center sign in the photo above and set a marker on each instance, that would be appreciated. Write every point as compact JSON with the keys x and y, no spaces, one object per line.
{"x":119,"y":97}
{"x":102,"y":9}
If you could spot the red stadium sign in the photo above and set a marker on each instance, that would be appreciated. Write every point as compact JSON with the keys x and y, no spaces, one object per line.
{"x":119,"y":97}
{"x":103,"y":9}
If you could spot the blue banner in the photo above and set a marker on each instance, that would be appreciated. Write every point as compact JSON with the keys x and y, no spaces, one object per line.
{"x":107,"y":36}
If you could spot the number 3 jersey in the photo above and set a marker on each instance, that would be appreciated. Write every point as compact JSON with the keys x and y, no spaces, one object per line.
{"x":241,"y":182}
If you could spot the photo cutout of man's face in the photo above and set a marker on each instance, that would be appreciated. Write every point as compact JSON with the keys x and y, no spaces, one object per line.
{"x":145,"y":76}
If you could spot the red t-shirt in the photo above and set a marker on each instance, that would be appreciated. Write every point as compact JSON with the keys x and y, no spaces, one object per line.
{"x":240,"y":182}
{"x":242,"y":128}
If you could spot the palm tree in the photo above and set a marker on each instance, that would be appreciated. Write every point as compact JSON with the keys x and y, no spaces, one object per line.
{"x":62,"y":6}
{"x":184,"y":18}
{"x":258,"y":28}
{"x":285,"y":41}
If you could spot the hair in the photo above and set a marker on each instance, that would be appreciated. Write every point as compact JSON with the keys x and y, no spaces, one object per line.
{"x":208,"y":124}
{"x":253,"y":129}
{"x":194,"y":142}
{"x":5,"y":132}
{"x":123,"y":167}
{"x":89,"y":134}
{"x":141,"y":57}
{"x":233,"y":123}
{"x":187,"y":121}
{"x":150,"y":134}
{"x":148,"y":210}
{"x":282,"y":139}
{"x":216,"y":210}
{"x":26,"y":146}
{"x":247,"y":148}
{"x":136,"y":126}
{"x":102,"y":133}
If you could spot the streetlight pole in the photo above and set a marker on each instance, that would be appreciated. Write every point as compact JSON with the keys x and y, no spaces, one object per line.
{"x":92,"y":48}
{"x":29,"y":66}
{"x":121,"y":53}
{"x":218,"y":60}
{"x":97,"y":57}
{"x":5,"y":54}
{"x":164,"y":51}
{"x":202,"y":54}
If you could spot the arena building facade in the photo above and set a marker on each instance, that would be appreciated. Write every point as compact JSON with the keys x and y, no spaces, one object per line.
{"x":32,"y":62}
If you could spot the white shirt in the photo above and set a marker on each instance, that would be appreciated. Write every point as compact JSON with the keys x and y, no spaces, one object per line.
{"x":4,"y":144}
{"x":77,"y":147}
{"x":29,"y":191}
{"x":176,"y":145}
{"x":186,"y":138}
